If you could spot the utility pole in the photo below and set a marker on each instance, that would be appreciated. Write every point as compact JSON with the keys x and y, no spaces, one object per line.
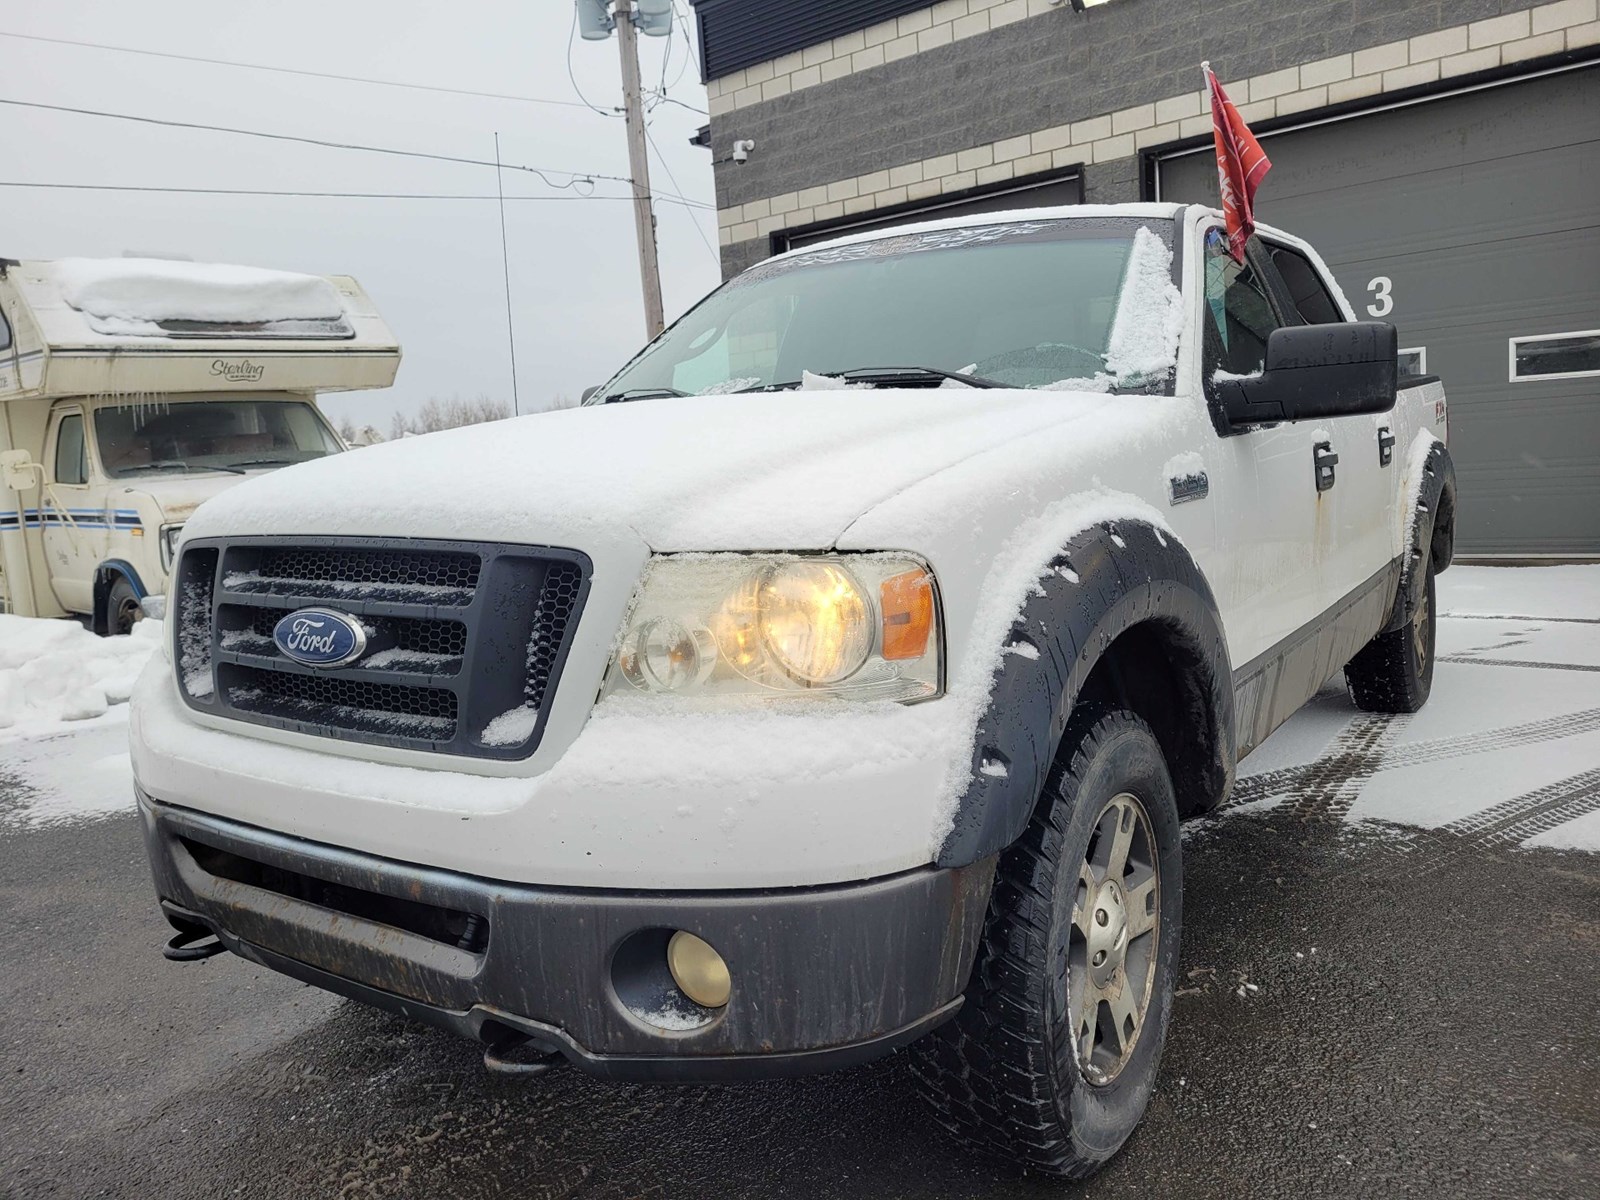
{"x":639,"y":168}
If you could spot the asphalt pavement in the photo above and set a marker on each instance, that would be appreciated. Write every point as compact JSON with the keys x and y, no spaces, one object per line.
{"x":1365,"y":1011}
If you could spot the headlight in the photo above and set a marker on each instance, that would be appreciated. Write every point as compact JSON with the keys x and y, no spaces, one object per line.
{"x":860,"y":626}
{"x":169,"y":545}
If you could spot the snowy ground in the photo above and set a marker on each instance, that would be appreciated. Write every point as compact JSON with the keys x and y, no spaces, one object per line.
{"x":1507,"y":751}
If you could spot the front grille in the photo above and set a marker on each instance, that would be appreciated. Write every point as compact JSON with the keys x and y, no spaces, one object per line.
{"x":349,"y":704}
{"x":465,"y":641}
{"x":408,"y":576}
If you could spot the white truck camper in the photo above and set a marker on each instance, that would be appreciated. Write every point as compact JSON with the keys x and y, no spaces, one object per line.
{"x":132,"y":390}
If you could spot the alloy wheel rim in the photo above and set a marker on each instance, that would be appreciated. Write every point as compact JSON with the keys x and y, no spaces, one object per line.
{"x":1115,"y":936}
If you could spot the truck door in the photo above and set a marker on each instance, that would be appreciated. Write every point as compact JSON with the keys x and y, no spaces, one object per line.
{"x":1276,"y":544}
{"x":74,"y":526}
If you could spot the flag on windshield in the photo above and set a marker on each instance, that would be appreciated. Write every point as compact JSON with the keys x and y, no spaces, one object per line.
{"x":1241,"y":165}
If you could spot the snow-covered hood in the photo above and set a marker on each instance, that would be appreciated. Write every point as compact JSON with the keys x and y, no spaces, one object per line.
{"x":762,"y":471}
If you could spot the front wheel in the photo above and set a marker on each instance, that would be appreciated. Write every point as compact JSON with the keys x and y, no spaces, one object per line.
{"x":123,"y":609}
{"x":1053,"y":1057}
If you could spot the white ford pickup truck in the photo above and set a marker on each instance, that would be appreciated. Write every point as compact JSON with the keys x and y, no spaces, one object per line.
{"x":833,"y":681}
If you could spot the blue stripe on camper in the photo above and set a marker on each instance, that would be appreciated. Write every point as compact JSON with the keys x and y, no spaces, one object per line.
{"x":82,"y":518}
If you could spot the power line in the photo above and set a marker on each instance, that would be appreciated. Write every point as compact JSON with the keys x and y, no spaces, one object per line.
{"x":224,"y":62}
{"x":207,"y":191}
{"x":572,"y":32}
{"x":505,"y":267}
{"x":544,"y":173}
{"x":680,"y":20}
{"x":693,"y":220}
{"x":663,"y":98}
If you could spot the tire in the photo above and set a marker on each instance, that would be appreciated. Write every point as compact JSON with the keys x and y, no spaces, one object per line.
{"x":1393,"y":673}
{"x":1006,"y":1075}
{"x":123,"y":610}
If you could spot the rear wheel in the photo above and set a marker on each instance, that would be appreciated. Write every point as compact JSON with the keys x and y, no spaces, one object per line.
{"x":1053,"y":1057}
{"x":1393,"y":673}
{"x":123,"y":610}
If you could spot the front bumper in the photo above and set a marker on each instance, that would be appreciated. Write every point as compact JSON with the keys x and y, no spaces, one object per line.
{"x":822,"y":977}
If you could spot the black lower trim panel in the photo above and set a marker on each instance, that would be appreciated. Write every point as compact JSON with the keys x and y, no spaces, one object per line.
{"x":823,"y":977}
{"x":1271,"y":687}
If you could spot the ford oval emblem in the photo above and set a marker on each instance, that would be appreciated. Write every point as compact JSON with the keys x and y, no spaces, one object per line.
{"x":320,"y":637}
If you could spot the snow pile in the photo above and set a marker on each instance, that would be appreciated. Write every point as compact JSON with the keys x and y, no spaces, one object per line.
{"x":810,"y":382}
{"x":57,"y":671}
{"x":512,"y":727}
{"x":729,"y":386}
{"x":66,"y":778}
{"x":1180,"y":466}
{"x":1144,"y":337}
{"x":124,"y":295}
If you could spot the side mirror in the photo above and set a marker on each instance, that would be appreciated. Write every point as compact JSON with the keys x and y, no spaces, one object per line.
{"x":587,"y":392}
{"x":1316,"y":371}
{"x":17,"y":470}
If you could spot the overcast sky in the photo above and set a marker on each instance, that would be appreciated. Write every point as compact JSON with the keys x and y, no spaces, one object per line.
{"x":433,"y":266}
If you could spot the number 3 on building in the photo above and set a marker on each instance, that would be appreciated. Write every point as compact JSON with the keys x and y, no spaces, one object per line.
{"x":1382,"y":302}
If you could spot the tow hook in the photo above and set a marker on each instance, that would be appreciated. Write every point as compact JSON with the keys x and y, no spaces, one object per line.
{"x":192,"y":945}
{"x":496,"y":1060}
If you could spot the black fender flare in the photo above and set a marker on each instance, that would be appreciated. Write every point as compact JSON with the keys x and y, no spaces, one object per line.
{"x":1108,"y":579}
{"x":1432,"y":533}
{"x":104,"y":576}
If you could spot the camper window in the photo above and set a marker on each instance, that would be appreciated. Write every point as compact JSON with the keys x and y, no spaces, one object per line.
{"x":5,"y":332}
{"x":210,"y":435}
{"x":72,"y":459}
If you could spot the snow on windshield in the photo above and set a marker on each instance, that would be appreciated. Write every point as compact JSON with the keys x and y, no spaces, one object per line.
{"x":128,"y":295}
{"x":1144,"y":337}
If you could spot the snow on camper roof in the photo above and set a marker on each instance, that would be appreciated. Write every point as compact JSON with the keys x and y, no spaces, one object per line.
{"x":148,"y":297}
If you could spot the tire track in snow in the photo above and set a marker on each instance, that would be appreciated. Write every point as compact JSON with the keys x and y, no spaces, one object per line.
{"x":1334,"y":782}
{"x":1516,"y":820}
{"x":1511,"y":662}
{"x":1503,"y":826}
{"x":1513,"y":617}
{"x":1288,"y":779}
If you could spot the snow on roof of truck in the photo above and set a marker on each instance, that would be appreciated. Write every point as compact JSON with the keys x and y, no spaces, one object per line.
{"x":132,"y":295}
{"x":1158,"y":211}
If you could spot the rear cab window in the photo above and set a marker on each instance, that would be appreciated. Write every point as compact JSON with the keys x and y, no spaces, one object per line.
{"x":1304,"y":287}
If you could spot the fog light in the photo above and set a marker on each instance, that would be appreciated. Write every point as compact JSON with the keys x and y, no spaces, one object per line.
{"x":698,"y":970}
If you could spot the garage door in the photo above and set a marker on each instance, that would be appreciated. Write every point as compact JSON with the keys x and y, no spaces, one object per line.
{"x":1473,"y":223}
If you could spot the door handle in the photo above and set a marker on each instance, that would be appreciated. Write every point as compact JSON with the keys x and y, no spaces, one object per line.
{"x":1324,"y":459}
{"x":1385,"y":446}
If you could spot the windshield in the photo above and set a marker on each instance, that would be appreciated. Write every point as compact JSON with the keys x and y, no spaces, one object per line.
{"x":1025,"y":304}
{"x":153,"y":438}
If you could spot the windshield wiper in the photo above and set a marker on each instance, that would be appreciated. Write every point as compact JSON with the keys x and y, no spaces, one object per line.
{"x":170,"y":464}
{"x":643,"y":393}
{"x":915,"y":376}
{"x":265,"y":462}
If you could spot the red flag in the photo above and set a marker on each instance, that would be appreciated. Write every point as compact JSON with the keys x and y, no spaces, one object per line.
{"x":1241,"y":165}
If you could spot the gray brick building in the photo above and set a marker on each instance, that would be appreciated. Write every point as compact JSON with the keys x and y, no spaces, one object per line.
{"x":1444,"y":156}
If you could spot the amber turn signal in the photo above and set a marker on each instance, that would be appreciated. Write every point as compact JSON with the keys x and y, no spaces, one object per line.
{"x":906,"y":601}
